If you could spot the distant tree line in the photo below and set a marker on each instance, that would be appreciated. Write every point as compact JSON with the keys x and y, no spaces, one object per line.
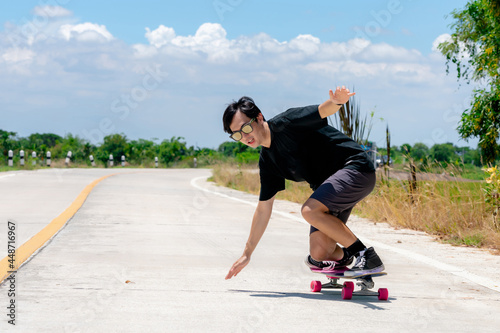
{"x":445,"y":153}
{"x":175,"y":150}
{"x":137,"y":152}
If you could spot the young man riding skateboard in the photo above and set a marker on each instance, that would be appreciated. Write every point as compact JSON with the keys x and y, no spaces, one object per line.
{"x":299,"y":145}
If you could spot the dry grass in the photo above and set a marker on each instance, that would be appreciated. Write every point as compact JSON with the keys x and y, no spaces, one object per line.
{"x":235,"y":177}
{"x":247,"y":179}
{"x":452,"y":210}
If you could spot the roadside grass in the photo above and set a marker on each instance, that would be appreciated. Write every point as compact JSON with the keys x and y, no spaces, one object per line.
{"x":453,"y":211}
{"x":17,"y":167}
{"x":246,"y":178}
{"x":466,"y":171}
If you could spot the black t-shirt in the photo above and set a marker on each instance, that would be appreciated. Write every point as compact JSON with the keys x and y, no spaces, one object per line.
{"x":305,"y":148}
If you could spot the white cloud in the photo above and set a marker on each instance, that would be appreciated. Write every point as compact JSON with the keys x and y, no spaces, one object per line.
{"x":16,"y":61}
{"x":85,"y":32}
{"x":144,"y":51}
{"x":210,"y":38}
{"x":13,"y":55}
{"x":160,"y":36}
{"x":51,"y":11}
{"x":305,"y":43}
{"x":440,"y":39}
{"x":260,"y":43}
{"x":388,"y":53}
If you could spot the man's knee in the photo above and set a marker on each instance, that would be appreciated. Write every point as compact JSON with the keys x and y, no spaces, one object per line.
{"x":306,"y":211}
{"x":310,"y":209}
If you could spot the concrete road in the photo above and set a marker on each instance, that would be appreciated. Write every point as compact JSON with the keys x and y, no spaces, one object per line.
{"x":149,"y":250}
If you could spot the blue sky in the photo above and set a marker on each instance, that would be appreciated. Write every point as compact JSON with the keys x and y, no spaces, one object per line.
{"x":158,"y":69}
{"x":283,"y":20}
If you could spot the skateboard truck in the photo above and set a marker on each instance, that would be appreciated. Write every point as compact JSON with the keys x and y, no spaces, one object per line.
{"x":366,"y":283}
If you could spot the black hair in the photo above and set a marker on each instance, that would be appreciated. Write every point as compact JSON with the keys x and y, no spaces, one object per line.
{"x":246,"y":105}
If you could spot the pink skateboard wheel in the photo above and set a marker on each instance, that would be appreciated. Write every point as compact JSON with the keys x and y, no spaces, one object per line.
{"x":315,"y":286}
{"x":383,"y":294}
{"x":347,"y":290}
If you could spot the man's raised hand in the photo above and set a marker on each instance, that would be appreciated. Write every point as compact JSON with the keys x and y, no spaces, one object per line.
{"x":341,"y":95}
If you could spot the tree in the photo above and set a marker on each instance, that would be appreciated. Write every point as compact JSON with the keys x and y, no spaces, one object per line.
{"x":232,"y":148}
{"x":474,"y":48}
{"x":406,"y":148}
{"x":469,"y":156}
{"x":88,"y":150}
{"x":47,"y":139}
{"x":7,"y":141}
{"x":445,"y":152}
{"x":115,"y":144}
{"x":419,"y":152}
{"x":172,"y":150}
{"x":141,"y":150}
{"x":73,"y":144}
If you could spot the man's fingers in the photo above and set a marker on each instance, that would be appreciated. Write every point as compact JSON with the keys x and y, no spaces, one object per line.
{"x":232,"y":272}
{"x":230,"y":275}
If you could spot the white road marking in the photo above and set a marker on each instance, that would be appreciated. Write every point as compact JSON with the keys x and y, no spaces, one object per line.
{"x":11,"y":175}
{"x":485,"y":282}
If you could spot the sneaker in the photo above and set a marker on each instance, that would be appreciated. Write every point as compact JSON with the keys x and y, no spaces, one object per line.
{"x":346,"y":260}
{"x":319,"y":264}
{"x":329,"y":265}
{"x":367,"y":262}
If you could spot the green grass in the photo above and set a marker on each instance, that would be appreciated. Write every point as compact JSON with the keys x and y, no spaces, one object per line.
{"x":474,"y":240}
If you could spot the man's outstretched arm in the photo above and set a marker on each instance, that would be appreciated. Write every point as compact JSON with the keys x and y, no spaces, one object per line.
{"x":336,"y":100}
{"x":259,"y":224}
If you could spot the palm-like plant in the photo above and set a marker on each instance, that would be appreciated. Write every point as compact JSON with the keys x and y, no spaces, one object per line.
{"x":350,"y":122}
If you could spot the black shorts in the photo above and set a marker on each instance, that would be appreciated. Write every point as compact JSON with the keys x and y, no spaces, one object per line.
{"x":343,"y":190}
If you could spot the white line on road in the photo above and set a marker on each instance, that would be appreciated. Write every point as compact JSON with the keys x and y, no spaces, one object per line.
{"x":11,"y":175}
{"x":485,"y":282}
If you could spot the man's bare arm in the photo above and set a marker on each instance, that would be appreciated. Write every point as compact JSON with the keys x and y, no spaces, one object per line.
{"x":259,"y":224}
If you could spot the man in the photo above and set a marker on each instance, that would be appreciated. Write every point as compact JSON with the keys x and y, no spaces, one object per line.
{"x":299,"y":145}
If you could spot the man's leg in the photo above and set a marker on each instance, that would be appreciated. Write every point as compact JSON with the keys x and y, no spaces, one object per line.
{"x":317,"y":214}
{"x":340,"y":192}
{"x":330,"y":226}
{"x":323,"y":248}
{"x":325,"y":252}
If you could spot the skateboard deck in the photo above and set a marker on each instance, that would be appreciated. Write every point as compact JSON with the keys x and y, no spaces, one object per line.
{"x":365,"y":283}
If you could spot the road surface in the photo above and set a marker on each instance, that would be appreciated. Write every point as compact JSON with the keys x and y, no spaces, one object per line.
{"x":149,"y":249}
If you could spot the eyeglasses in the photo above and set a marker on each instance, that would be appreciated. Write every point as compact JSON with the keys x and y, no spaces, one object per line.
{"x":246,"y":128}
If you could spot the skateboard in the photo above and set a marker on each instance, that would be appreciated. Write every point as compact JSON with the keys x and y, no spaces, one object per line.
{"x":365,"y":283}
